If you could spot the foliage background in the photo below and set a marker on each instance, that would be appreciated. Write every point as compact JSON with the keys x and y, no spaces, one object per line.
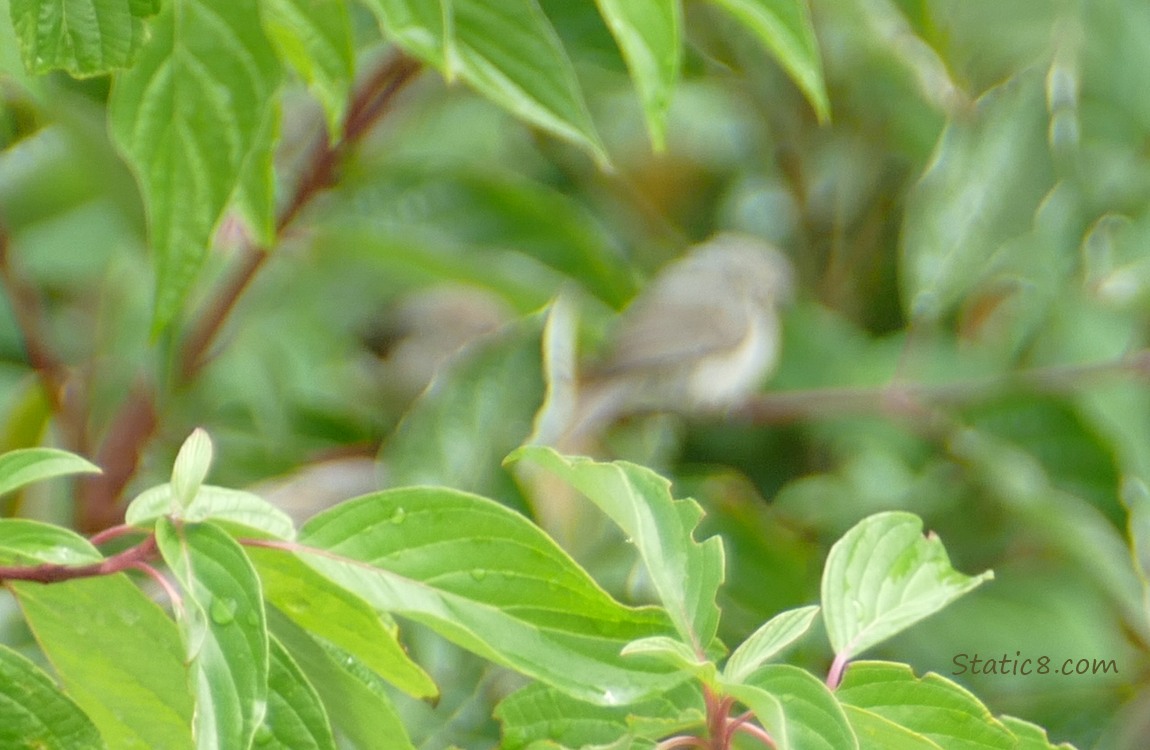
{"x":969,"y":228}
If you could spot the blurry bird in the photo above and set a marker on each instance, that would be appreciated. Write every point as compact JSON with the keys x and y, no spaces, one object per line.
{"x":702,"y":336}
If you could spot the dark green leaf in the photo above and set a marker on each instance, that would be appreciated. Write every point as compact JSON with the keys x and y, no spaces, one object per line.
{"x":686,"y":573}
{"x":85,"y":37}
{"x":35,"y":715}
{"x":224,"y":631}
{"x":27,"y":465}
{"x":103,"y":632}
{"x":296,"y":719}
{"x":339,"y":617}
{"x":486,"y":578}
{"x":187,"y":115}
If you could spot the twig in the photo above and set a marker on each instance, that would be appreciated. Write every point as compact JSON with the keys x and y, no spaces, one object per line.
{"x":912,"y":399}
{"x":135,"y":424}
{"x":50,"y":369}
{"x":52,"y":573}
{"x":364,"y":111}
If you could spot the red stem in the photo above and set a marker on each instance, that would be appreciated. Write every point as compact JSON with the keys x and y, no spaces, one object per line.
{"x":52,"y":573}
{"x":136,"y":423}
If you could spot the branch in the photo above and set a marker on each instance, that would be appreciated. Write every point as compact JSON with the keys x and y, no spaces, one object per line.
{"x":916,"y":400}
{"x":364,"y":110}
{"x":130,"y":558}
{"x":50,"y":369}
{"x":135,"y":424}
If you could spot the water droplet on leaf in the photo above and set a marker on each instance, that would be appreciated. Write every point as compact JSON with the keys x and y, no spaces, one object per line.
{"x":223,"y":611}
{"x":398,"y":515}
{"x":478,"y":574}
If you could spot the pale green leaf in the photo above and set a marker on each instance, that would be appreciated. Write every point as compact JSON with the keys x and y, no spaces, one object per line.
{"x":296,"y":718}
{"x":650,"y":37}
{"x":559,"y":354}
{"x":883,"y":576}
{"x":768,"y":711}
{"x":339,"y":617}
{"x":487,"y":579}
{"x":187,"y":115}
{"x":776,"y":634}
{"x":27,"y":465}
{"x":989,"y":172}
{"x":191,"y":467}
{"x":876,"y":733}
{"x":537,"y":713}
{"x":243,"y":511}
{"x":479,"y":408}
{"x":931,"y":706}
{"x":1136,"y":497}
{"x":510,"y":53}
{"x":507,"y":51}
{"x":83,"y":37}
{"x":675,"y":653}
{"x":256,"y":191}
{"x":815,"y":720}
{"x":314,"y":37}
{"x":416,"y":25}
{"x":365,"y":715}
{"x":35,"y":715}
{"x":83,"y":627}
{"x":24,"y":541}
{"x":685,"y":573}
{"x":784,"y":26}
{"x":224,"y":631}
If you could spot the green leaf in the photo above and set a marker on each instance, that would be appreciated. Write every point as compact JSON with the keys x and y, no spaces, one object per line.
{"x":35,"y":715}
{"x":511,"y":54}
{"x":815,"y":720}
{"x":27,"y":465}
{"x":883,"y":576}
{"x":536,"y":713}
{"x":784,"y":27}
{"x":1136,"y":497}
{"x":478,"y":409}
{"x":686,"y":573}
{"x":931,"y":706}
{"x":487,"y":579}
{"x":768,"y":711}
{"x":508,"y":52}
{"x":101,"y":632}
{"x":776,"y":634}
{"x":987,"y":176}
{"x":416,"y":25}
{"x":650,"y":37}
{"x":23,"y":541}
{"x":876,"y":733}
{"x":224,"y":630}
{"x":244,"y":511}
{"x":314,"y":37}
{"x":675,"y":653}
{"x":1030,"y":736}
{"x":191,"y":467}
{"x":362,"y":713}
{"x":187,"y":116}
{"x":255,"y":196}
{"x":83,"y":37}
{"x":339,"y":617}
{"x":296,"y":719}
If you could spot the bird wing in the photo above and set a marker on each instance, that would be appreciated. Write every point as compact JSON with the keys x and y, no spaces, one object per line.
{"x":668,"y":333}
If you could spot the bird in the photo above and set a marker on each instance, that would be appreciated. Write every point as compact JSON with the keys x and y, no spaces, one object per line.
{"x":701,"y":337}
